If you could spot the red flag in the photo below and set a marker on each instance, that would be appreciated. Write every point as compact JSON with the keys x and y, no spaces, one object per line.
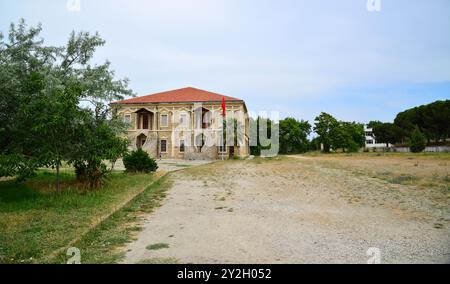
{"x":223,"y":106}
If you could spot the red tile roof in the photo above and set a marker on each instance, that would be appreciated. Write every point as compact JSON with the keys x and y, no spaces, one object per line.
{"x":177,"y":96}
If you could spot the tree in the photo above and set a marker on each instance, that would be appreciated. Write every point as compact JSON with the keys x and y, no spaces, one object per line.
{"x":417,"y":141}
{"x":387,"y":133}
{"x":348,"y":136}
{"x":324,"y":126}
{"x":41,"y":91}
{"x":374,"y":123}
{"x":294,"y":135}
{"x":355,"y":136}
{"x":432,"y":121}
{"x":314,"y":144}
{"x":96,"y":140}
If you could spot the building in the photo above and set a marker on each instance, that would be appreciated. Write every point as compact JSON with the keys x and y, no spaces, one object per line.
{"x":370,"y":139}
{"x":186,"y":124}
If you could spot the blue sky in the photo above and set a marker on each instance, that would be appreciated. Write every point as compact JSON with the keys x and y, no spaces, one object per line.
{"x":296,"y":57}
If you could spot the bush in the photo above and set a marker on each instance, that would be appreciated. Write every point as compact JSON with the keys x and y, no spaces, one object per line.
{"x":417,"y":142}
{"x":139,"y":162}
{"x":91,"y":174}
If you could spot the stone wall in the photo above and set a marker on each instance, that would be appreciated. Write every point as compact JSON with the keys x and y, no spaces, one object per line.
{"x":427,"y":149}
{"x":172,"y":133}
{"x":206,"y":153}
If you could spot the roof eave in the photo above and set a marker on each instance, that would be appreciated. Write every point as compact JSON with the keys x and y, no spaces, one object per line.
{"x":187,"y":102}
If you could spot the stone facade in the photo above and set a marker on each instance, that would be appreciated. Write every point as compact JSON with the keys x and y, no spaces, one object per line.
{"x":161,"y":128}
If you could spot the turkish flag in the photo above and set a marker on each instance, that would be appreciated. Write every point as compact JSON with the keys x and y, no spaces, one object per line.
{"x":224,"y":107}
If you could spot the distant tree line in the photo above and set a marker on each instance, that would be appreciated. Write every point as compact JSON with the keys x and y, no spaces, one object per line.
{"x":331,"y":134}
{"x":414,"y":127}
{"x":432,"y":121}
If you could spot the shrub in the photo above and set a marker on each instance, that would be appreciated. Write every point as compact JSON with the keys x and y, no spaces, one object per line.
{"x":139,"y":161}
{"x":417,"y":142}
{"x":91,"y":174}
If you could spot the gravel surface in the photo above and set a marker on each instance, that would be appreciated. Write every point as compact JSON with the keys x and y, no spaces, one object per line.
{"x":292,"y":210}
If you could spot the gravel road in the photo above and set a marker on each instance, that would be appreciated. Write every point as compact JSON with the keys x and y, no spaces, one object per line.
{"x":291,"y":211}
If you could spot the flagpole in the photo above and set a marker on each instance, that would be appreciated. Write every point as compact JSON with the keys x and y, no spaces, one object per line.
{"x":223,"y":115}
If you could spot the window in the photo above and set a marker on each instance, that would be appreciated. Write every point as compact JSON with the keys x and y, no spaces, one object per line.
{"x":222,"y":149}
{"x":183,"y":119}
{"x":369,"y":141}
{"x":164,"y":120}
{"x":182,"y":146}
{"x":127,"y":118}
{"x":144,"y":121}
{"x":163,"y":146}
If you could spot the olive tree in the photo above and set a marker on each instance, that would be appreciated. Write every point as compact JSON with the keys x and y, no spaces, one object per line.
{"x":54,"y":103}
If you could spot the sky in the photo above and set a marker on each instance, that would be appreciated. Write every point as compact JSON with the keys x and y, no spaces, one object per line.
{"x":298,"y":57}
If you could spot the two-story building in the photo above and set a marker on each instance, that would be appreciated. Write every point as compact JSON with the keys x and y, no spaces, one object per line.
{"x":186,"y":123}
{"x":371,"y":142}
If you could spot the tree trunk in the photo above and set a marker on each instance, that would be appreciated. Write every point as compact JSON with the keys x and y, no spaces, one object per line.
{"x":57,"y":178}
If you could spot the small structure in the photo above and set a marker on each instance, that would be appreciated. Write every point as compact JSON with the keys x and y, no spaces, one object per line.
{"x":186,"y":124}
{"x":371,"y":141}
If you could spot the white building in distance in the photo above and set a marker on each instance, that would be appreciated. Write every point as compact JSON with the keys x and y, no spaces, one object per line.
{"x":370,"y":139}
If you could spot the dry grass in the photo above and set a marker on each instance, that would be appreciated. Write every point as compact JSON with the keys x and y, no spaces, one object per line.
{"x":327,"y":208}
{"x":425,"y":170}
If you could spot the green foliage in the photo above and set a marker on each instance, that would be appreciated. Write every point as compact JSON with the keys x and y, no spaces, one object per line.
{"x":334,"y":134}
{"x":42,"y":88}
{"x":374,"y":123}
{"x":417,"y":141}
{"x":157,"y":246}
{"x":90,"y":175}
{"x":35,"y":221}
{"x":351,"y":136}
{"x":260,"y":135}
{"x":139,"y":161}
{"x":387,"y":133}
{"x":324,"y":126}
{"x":294,"y":135}
{"x":314,"y":144}
{"x":432,"y":120}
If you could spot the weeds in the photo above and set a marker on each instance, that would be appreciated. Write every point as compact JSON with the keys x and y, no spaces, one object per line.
{"x":157,"y":246}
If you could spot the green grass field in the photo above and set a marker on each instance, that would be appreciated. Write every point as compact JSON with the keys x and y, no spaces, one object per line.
{"x":36,"y":221}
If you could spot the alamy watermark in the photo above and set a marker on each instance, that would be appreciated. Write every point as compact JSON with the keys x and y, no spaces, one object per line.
{"x":374,"y":255}
{"x":73,"y":5}
{"x":373,"y":5}
{"x":74,"y":255}
{"x":204,"y":126}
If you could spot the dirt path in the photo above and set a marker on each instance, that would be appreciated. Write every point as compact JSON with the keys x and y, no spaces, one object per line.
{"x":291,"y":211}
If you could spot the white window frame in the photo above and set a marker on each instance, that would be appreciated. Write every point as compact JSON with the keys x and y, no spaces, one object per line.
{"x":167,"y":120}
{"x":160,"y":145}
{"x":125,"y":116}
{"x":184,"y":122}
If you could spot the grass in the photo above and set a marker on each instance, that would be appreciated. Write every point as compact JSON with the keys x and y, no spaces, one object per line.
{"x":423,"y":170}
{"x":103,"y":243}
{"x":162,"y":260}
{"x":432,"y":155}
{"x":35,"y":220}
{"x":182,"y":166}
{"x":404,"y":179}
{"x":157,"y":246}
